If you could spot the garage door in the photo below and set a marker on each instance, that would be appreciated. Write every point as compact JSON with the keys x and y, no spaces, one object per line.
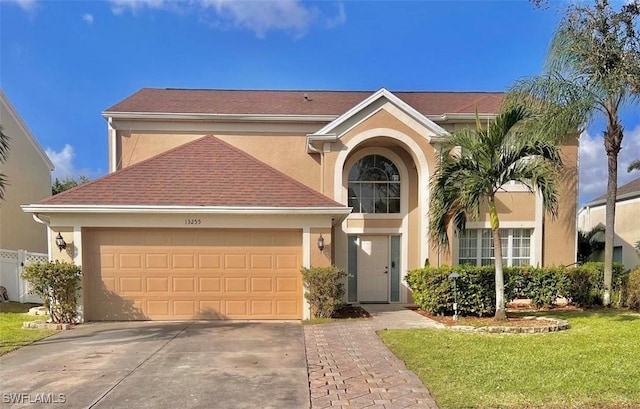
{"x":174,"y":274}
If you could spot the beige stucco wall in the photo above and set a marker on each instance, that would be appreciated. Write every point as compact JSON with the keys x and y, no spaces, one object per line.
{"x":627,"y":228}
{"x":321,"y":258}
{"x":29,"y":181}
{"x":512,"y":207}
{"x":559,"y":245}
{"x":66,"y":254}
{"x":286,"y":153}
{"x":133,"y":147}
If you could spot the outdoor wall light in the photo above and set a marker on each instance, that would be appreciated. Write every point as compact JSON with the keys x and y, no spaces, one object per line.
{"x":60,"y":242}
{"x":321,"y":243}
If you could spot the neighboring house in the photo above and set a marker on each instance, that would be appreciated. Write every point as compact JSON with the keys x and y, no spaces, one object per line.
{"x":28,"y":170}
{"x":627,"y":228}
{"x":216,"y":199}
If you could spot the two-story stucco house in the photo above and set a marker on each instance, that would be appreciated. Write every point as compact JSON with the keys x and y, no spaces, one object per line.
{"x":216,"y":198}
{"x":627,"y":226}
{"x":28,"y":171}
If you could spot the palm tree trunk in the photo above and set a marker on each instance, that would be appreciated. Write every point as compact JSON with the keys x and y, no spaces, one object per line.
{"x":612,"y":142}
{"x":501,"y":313}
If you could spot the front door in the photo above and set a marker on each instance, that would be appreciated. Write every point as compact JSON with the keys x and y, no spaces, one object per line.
{"x":373,"y":269}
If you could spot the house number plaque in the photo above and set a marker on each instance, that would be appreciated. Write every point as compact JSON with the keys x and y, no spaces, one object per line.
{"x":192,"y":221}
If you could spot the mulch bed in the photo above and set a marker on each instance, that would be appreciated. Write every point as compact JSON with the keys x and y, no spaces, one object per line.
{"x":350,"y":311}
{"x":484,"y":321}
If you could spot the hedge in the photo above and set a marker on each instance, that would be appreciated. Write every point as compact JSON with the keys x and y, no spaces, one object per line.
{"x":581,"y":285}
{"x":633,"y":298}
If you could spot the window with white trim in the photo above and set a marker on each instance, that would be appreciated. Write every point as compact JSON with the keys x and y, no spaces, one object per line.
{"x":374,"y":186}
{"x":475,"y":246}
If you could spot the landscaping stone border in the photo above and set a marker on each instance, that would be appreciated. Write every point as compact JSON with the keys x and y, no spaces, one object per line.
{"x":46,"y":325}
{"x":555,"y":325}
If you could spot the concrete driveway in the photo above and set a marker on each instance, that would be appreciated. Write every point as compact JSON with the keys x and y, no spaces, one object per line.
{"x":200,"y":364}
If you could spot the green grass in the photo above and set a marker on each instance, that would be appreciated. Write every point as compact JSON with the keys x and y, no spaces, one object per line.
{"x":13,"y":336}
{"x":595,"y":364}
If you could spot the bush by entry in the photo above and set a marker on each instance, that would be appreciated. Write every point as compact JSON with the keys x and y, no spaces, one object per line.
{"x":433,"y":290}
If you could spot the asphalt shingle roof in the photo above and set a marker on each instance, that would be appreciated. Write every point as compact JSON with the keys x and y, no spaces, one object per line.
{"x":205,"y":172}
{"x":627,"y":191}
{"x":207,"y":101}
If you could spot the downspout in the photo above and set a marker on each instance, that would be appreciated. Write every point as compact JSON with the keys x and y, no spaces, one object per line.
{"x":313,"y":149}
{"x":37,"y":219}
{"x":324,"y":139}
{"x":112,"y":144}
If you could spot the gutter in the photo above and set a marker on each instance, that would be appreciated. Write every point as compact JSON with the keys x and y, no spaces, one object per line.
{"x":138,"y":209}
{"x":445,"y":117}
{"x":313,"y":138}
{"x":219,"y":117}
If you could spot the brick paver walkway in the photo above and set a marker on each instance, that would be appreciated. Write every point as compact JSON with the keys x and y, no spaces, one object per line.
{"x":349,"y":366}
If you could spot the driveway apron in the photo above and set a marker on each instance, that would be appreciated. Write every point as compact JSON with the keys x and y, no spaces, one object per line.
{"x":350,"y":367}
{"x":197,"y":364}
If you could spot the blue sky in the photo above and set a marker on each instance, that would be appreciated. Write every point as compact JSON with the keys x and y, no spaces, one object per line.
{"x":63,"y":62}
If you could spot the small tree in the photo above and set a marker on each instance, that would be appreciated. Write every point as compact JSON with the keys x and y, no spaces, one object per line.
{"x":587,"y":245}
{"x":484,"y":160}
{"x":324,"y":289}
{"x":57,"y":284}
{"x":60,"y":186}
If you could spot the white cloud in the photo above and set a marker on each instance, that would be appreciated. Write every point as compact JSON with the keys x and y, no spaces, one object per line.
{"x":120,"y":6}
{"x":339,"y":19}
{"x":26,"y":5}
{"x":87,"y":18}
{"x":593,"y":163}
{"x":260,"y":17}
{"x":263,"y":16}
{"x":63,"y":162}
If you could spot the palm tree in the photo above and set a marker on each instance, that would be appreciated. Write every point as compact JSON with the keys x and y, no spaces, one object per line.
{"x":483,"y":160}
{"x":4,"y":153}
{"x":634,"y":165}
{"x":592,"y":71}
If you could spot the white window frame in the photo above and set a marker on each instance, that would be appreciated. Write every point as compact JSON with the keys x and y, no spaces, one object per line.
{"x":508,"y":256}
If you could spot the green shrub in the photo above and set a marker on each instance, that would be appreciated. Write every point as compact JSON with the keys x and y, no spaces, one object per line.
{"x":544,"y":285}
{"x":57,"y":284}
{"x":619,"y":283}
{"x":581,"y":285}
{"x":324,"y":289}
{"x":433,"y":289}
{"x":633,"y":297}
{"x":580,"y":289}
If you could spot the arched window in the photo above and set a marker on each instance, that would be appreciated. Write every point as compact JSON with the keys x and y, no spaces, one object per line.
{"x":374,"y":186}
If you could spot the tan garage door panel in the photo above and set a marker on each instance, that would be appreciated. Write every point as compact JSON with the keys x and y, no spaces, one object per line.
{"x":195,"y":274}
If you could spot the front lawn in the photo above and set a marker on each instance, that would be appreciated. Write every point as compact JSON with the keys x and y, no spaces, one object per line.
{"x":595,"y":364}
{"x":13,"y":336}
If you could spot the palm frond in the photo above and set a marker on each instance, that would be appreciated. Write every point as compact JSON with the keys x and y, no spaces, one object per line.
{"x":489,"y":158}
{"x":4,"y":153}
{"x":4,"y":145}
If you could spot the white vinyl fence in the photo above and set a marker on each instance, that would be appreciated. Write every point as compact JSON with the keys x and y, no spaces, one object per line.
{"x":12,"y":263}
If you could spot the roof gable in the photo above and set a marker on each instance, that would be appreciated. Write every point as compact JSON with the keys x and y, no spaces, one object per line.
{"x":25,"y":129}
{"x":330,"y":128}
{"x":205,"y":172}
